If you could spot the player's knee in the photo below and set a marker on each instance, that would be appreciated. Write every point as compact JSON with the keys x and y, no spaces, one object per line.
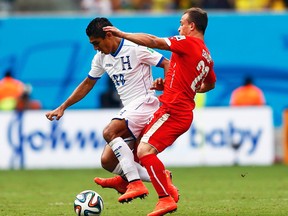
{"x":145,"y":149}
{"x":141,"y":152}
{"x":108,"y":135}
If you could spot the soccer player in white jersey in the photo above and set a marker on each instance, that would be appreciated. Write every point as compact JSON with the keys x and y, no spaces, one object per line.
{"x":129,"y":66}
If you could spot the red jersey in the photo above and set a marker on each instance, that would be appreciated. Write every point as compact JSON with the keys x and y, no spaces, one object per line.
{"x":190,"y":65}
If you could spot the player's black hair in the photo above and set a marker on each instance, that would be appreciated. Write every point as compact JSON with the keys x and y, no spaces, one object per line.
{"x":95,"y":27}
{"x":248,"y":80}
{"x":199,"y":17}
{"x":8,"y":73}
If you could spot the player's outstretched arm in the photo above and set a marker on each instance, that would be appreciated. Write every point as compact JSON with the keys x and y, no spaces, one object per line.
{"x":139,"y":38}
{"x":58,"y":113}
{"x":80,"y":92}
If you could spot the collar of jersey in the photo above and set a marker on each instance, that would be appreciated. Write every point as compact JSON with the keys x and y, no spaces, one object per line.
{"x":118,"y":49}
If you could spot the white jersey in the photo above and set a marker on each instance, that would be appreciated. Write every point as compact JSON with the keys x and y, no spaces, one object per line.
{"x":129,"y":68}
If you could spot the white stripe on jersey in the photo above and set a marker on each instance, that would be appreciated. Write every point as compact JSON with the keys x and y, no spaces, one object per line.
{"x":129,"y":68}
{"x":154,"y":128}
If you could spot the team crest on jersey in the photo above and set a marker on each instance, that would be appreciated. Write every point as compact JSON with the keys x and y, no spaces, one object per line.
{"x":126,"y":64}
{"x":179,"y":37}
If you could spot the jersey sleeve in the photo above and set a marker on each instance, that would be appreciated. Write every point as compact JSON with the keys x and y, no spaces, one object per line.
{"x":96,"y":70}
{"x":177,"y":44}
{"x":149,"y":56}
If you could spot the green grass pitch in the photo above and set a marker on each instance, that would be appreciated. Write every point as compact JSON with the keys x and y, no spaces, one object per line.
{"x":219,"y":191}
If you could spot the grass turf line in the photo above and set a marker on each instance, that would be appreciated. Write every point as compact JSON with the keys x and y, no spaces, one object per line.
{"x":205,"y":191}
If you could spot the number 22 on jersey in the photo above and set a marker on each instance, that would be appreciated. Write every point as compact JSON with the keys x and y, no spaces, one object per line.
{"x":203,"y":69}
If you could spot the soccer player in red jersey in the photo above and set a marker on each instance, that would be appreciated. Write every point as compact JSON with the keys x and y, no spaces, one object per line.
{"x":190,"y":72}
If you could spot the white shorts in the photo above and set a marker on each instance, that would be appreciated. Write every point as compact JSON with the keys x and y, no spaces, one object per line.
{"x":138,"y":113}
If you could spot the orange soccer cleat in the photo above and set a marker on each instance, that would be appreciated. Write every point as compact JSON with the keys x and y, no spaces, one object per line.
{"x":173,"y":191}
{"x":116,"y":182}
{"x":165,"y":205}
{"x":135,"y":189}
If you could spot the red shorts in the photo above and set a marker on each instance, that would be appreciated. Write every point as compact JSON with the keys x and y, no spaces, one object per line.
{"x":165,"y":127}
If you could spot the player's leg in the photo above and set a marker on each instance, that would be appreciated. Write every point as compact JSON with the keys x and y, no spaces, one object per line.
{"x":130,"y":121}
{"x":108,"y":159}
{"x":156,"y":170}
{"x":110,"y":163}
{"x":125,"y":157}
{"x":163,"y":130}
{"x":119,"y":182}
{"x":129,"y":194}
{"x":113,"y":134}
{"x":173,"y":190}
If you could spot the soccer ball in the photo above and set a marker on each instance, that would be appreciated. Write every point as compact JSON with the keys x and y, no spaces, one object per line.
{"x":88,"y":203}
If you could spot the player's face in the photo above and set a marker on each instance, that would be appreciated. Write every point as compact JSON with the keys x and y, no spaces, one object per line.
{"x":185,"y":27}
{"x":100,"y":44}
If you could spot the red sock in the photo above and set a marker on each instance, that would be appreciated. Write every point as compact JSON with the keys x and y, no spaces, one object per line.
{"x":156,"y":171}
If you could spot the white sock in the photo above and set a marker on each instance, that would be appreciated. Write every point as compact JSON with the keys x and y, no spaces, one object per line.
{"x":144,"y":176}
{"x":118,"y":170}
{"x":125,"y":157}
{"x":142,"y":172}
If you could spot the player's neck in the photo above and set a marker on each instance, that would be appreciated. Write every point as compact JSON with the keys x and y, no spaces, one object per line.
{"x":116,"y":44}
{"x":197,"y":35}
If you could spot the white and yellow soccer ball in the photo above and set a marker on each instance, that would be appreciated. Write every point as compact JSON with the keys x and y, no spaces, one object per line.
{"x":88,"y":203}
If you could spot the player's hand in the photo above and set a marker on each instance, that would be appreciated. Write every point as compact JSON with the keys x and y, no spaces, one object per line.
{"x":58,"y":113}
{"x":158,"y":84}
{"x":116,"y":32}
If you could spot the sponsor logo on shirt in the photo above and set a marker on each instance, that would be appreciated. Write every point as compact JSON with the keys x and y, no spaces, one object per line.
{"x":108,"y":65}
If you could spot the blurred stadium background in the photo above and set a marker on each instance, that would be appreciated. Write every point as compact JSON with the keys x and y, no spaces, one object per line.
{"x":44,"y":43}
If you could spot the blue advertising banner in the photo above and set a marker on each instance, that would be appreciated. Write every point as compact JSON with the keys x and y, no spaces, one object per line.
{"x":218,"y":136}
{"x":53,"y":54}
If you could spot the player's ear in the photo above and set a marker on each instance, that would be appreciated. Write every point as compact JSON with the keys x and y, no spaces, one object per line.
{"x":192,"y":26}
{"x":109,"y":34}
